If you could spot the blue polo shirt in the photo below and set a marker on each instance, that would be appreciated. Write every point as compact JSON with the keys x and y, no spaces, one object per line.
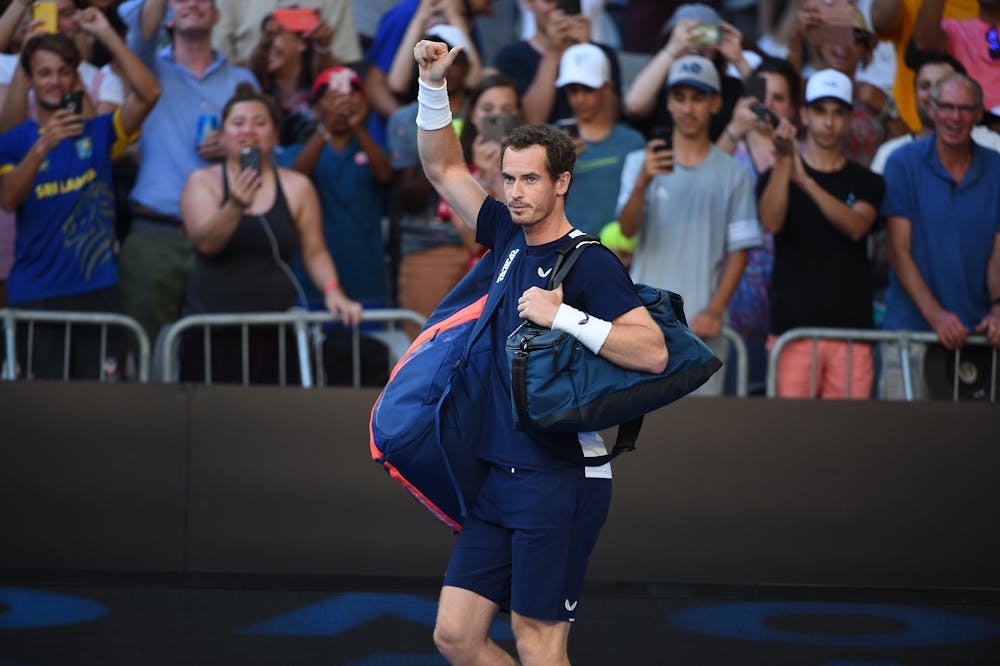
{"x":953,"y":225}
{"x":170,"y":132}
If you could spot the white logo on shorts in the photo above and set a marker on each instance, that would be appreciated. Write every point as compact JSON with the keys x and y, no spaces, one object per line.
{"x":571,"y":606}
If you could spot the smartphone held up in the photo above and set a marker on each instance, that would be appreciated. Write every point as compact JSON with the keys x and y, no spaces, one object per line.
{"x":250,"y":158}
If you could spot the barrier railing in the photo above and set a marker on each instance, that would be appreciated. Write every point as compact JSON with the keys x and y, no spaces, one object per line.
{"x":903,"y":338}
{"x":12,"y":317}
{"x":307,"y":327}
{"x":742,"y":360}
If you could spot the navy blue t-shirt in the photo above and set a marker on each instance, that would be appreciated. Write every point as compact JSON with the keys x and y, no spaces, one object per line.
{"x":597,"y":285}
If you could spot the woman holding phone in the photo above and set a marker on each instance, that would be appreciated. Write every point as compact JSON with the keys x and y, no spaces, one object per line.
{"x":246,"y":219}
{"x":772,"y":98}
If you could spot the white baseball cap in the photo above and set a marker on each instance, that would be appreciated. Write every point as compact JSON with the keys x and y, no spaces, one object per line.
{"x":695,"y":71}
{"x":830,"y":83}
{"x":451,"y":35}
{"x":585,"y":64}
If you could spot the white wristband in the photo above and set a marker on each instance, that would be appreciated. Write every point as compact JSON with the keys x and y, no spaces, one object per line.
{"x":589,"y":330}
{"x":433,"y":108}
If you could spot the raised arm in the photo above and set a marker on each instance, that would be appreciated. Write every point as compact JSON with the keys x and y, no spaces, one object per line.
{"x":316,"y":259}
{"x":640,"y":98}
{"x":773,"y":203}
{"x":144,"y":89}
{"x":927,"y":32}
{"x":885,"y":16}
{"x":9,"y":20}
{"x":440,"y":152}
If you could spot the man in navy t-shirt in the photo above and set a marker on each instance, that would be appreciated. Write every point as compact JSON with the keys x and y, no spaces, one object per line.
{"x":530,"y":532}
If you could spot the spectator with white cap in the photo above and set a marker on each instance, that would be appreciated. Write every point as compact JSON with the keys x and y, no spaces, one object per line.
{"x":692,"y":207}
{"x":820,"y":206}
{"x":534,"y":62}
{"x":602,"y":143}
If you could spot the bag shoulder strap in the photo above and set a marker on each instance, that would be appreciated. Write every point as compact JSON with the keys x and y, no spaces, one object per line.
{"x":567,"y":256}
{"x":493,"y":295}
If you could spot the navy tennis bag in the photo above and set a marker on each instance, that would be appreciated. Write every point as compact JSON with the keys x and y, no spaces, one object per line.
{"x":557,"y":384}
{"x":427,"y":422}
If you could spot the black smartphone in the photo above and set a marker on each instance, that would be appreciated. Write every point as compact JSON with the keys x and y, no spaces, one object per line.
{"x":756,"y":86}
{"x":250,"y":158}
{"x":664,"y":133}
{"x":570,"y":126}
{"x":72,"y":101}
{"x":497,"y":127}
{"x":569,"y":6}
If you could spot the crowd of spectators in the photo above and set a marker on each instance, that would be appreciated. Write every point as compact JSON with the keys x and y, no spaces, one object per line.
{"x":829,"y":164}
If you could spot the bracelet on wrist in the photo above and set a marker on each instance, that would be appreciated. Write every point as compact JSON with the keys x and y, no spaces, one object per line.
{"x":732,"y":137}
{"x":330,"y":286}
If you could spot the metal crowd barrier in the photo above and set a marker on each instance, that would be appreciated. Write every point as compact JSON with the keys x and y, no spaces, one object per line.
{"x":308,"y":336}
{"x":12,"y":316}
{"x":902,"y":338}
{"x":742,"y":360}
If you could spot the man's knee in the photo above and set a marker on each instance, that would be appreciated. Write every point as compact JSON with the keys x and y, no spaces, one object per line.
{"x":540,"y":641}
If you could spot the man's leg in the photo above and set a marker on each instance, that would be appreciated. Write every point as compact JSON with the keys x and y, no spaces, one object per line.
{"x":835,"y":384}
{"x":795,"y":367}
{"x":541,"y":642}
{"x":462,"y":630}
{"x":154,"y":268}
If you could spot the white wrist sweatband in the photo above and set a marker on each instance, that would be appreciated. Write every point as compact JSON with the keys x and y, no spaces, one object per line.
{"x":589,"y":330}
{"x":433,"y":108}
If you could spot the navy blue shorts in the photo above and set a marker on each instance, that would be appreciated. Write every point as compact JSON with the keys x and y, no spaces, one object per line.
{"x":528,"y":540}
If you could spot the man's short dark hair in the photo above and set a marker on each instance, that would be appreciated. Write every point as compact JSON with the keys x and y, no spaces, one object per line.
{"x":57,"y":43}
{"x":937,"y":58}
{"x":560,"y":151}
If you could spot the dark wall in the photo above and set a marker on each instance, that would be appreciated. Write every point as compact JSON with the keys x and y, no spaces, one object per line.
{"x":268,"y":480}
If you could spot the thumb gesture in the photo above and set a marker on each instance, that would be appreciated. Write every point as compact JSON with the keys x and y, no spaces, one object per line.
{"x":434,"y":59}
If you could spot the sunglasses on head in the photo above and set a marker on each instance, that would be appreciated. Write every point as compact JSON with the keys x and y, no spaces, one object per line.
{"x":993,"y":43}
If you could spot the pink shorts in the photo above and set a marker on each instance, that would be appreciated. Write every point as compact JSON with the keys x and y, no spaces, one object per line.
{"x":796,"y":363}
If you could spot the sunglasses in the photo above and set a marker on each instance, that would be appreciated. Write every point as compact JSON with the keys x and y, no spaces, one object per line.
{"x":862,"y":36}
{"x":993,"y":43}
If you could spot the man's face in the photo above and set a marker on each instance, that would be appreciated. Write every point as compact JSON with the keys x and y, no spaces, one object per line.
{"x":194,"y":15}
{"x":778,"y":98}
{"x":955,"y":112}
{"x":923,"y":84}
{"x":51,"y":78}
{"x":692,"y":109}
{"x":587,"y":103}
{"x":826,"y":121}
{"x":529,"y":191}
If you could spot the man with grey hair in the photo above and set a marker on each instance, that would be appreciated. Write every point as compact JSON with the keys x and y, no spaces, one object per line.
{"x":943,"y":217}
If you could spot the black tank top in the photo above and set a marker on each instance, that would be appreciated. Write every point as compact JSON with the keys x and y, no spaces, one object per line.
{"x":244,"y":276}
